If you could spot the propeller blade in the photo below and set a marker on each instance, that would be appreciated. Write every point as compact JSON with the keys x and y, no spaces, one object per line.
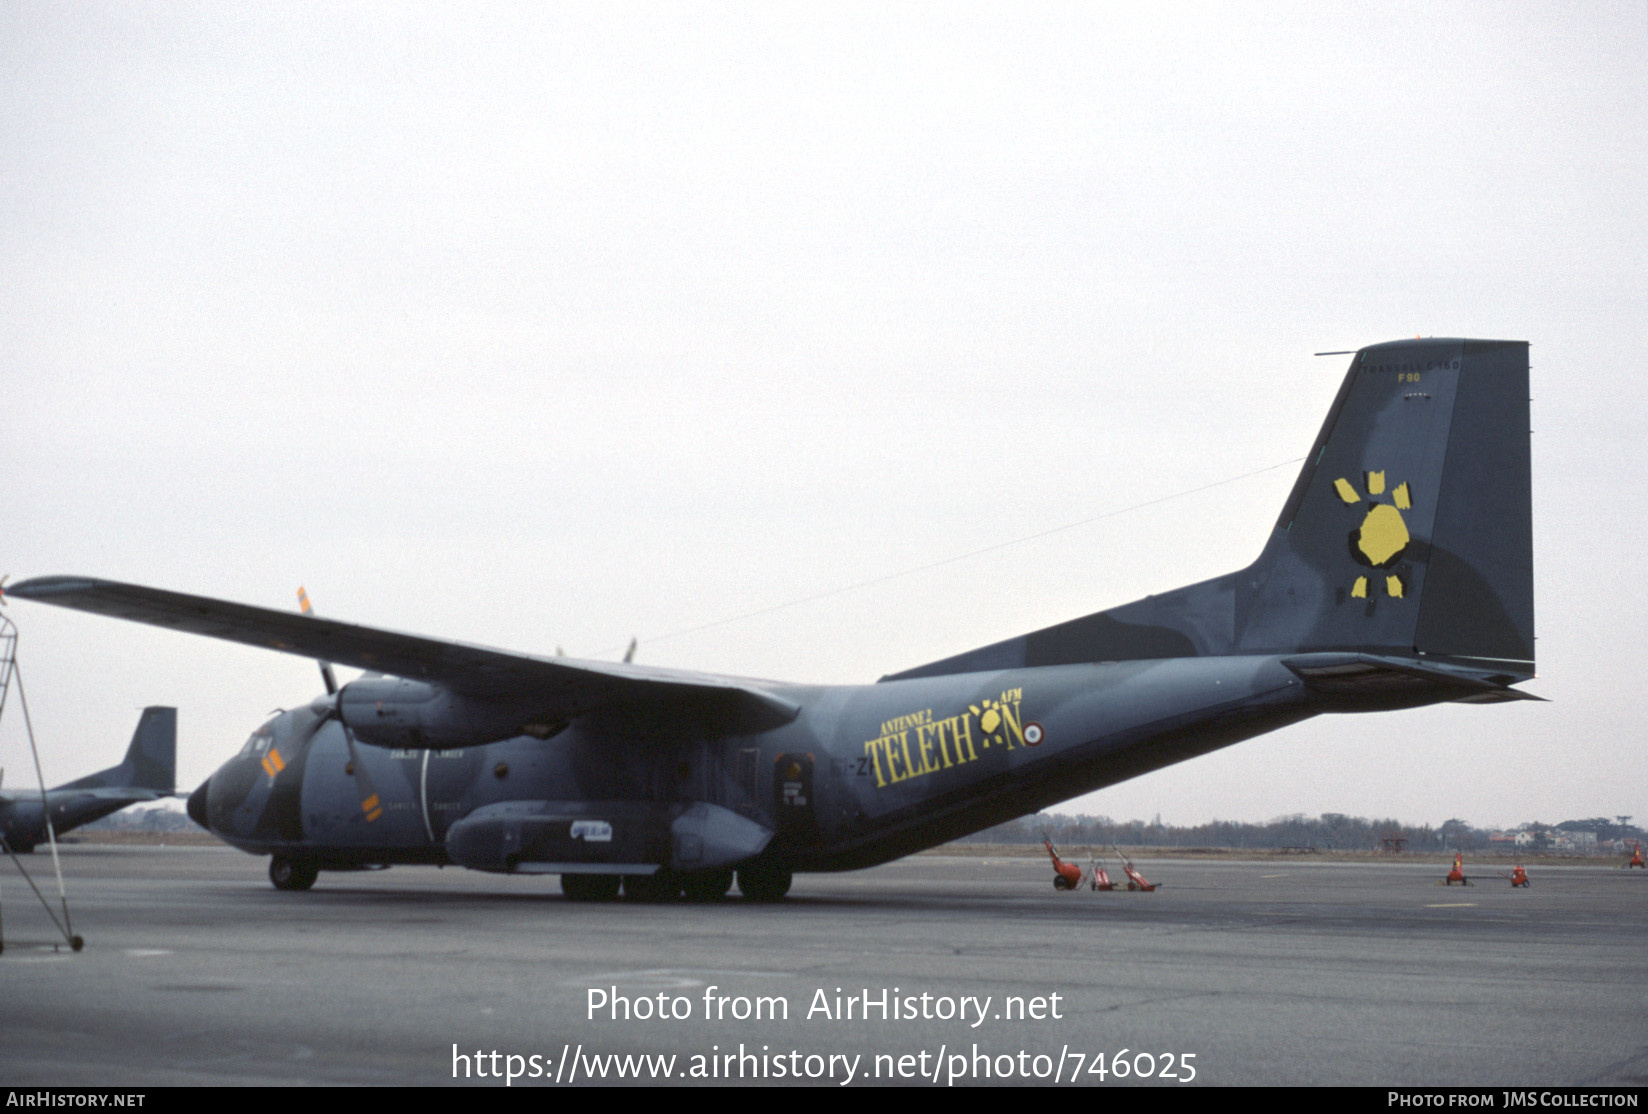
{"x":371,"y":806}
{"x":325,"y":666}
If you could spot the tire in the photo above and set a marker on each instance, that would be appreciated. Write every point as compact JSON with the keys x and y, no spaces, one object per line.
{"x":763,"y":883}
{"x":292,"y":874}
{"x":589,"y":887}
{"x":707,"y":885}
{"x":662,"y":886}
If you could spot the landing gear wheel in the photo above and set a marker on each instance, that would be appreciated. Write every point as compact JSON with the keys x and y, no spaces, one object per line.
{"x":589,"y":887}
{"x":707,"y":885}
{"x":763,"y":883}
{"x":663,"y":886}
{"x":292,"y":874}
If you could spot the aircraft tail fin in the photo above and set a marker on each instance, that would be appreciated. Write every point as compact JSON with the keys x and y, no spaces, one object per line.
{"x":1409,"y":530}
{"x":151,"y":758}
{"x":1408,"y":534}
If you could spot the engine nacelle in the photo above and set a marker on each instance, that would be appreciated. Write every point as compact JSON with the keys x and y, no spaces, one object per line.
{"x":414,"y":715}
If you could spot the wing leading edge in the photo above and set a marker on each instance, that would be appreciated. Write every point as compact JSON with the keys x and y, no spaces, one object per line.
{"x":566,"y":686}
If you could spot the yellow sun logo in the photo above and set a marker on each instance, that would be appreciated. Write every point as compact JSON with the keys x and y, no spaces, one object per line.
{"x":1382,"y":538}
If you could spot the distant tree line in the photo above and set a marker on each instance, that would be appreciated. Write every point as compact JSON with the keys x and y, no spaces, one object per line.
{"x":1331,"y":831}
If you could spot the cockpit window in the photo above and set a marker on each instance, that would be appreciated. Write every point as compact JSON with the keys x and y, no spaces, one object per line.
{"x":259,"y":742}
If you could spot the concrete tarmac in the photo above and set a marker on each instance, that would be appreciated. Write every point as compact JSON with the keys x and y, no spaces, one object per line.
{"x":196,"y":971}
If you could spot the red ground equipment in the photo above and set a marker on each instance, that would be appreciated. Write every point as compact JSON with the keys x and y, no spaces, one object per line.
{"x":1135,"y":880}
{"x":1101,"y":879}
{"x":1636,"y":860}
{"x":1518,"y":877}
{"x":1066,"y":876}
{"x":1457,"y":874}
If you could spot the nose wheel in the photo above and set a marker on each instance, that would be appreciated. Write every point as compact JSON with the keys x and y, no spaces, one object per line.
{"x":292,"y":874}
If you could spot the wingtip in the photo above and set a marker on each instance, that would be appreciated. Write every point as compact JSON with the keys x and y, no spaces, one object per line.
{"x":41,"y":586}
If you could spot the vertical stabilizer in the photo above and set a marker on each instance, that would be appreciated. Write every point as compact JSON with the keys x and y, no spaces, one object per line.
{"x":1409,"y":530}
{"x":151,"y":759}
{"x":1408,"y":533}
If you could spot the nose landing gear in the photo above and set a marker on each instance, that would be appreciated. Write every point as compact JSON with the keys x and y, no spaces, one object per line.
{"x":292,"y":874}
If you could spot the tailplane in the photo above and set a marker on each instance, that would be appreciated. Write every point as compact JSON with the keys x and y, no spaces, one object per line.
{"x":1408,"y":534}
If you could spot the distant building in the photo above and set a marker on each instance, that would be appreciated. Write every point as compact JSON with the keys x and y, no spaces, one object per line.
{"x":1574,"y":841}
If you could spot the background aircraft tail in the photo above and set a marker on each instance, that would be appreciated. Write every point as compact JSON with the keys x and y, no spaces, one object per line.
{"x":151,"y":759}
{"x":1407,"y":534}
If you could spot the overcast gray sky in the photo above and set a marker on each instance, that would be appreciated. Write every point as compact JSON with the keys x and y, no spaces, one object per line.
{"x":552,"y":325}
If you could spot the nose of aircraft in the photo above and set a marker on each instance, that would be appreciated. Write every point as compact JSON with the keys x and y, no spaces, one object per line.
{"x":197,"y":804}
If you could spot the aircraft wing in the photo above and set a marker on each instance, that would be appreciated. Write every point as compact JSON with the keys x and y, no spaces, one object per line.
{"x":569,"y":686}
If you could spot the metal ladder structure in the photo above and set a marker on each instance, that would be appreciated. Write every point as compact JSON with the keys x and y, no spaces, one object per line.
{"x":10,"y":676}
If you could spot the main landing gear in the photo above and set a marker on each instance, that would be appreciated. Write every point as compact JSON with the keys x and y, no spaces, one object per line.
{"x":589,"y":887}
{"x":761,"y":883}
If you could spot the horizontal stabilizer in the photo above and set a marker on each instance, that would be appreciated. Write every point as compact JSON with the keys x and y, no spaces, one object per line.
{"x":1378,"y":678}
{"x":128,"y":796}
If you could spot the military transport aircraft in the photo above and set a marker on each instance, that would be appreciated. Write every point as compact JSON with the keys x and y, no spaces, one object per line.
{"x":147,"y":773}
{"x":1399,"y":574}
